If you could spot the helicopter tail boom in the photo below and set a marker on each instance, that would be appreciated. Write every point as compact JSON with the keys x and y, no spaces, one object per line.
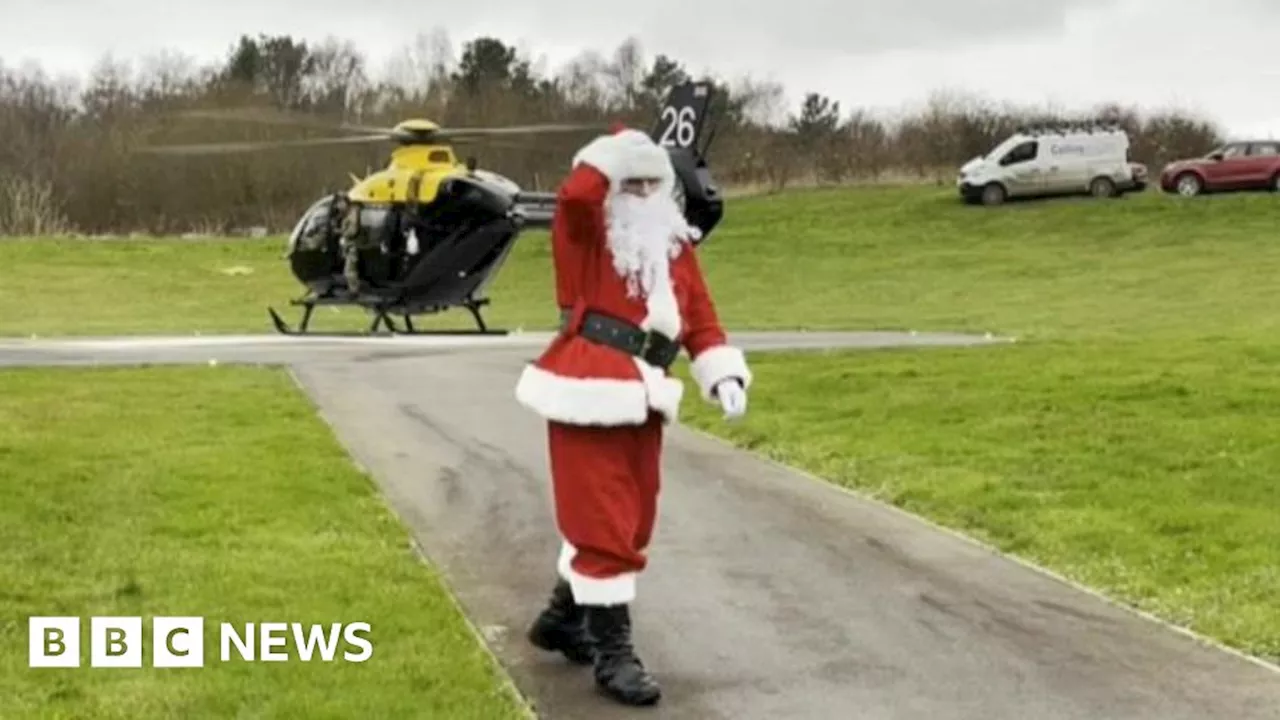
{"x":536,"y":208}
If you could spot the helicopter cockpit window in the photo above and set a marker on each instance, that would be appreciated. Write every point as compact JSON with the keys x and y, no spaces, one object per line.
{"x":317,"y":219}
{"x":439,"y":156}
{"x":310,"y":231}
{"x":373,"y":217}
{"x":374,"y":221}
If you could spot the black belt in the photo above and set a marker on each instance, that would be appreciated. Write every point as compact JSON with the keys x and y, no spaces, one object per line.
{"x":654,"y":347}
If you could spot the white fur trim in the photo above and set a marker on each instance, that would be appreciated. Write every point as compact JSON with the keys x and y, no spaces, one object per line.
{"x":597,"y":401}
{"x":582,"y":401}
{"x":587,"y":590}
{"x":719,"y":363}
{"x":567,"y":551}
{"x":629,"y":154}
{"x":617,"y":590}
{"x":664,"y":313}
{"x":663,"y":393}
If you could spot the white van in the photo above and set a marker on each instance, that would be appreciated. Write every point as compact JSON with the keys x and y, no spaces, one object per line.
{"x":1054,"y":160}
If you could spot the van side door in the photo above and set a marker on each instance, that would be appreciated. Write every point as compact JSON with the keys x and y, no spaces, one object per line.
{"x":1066,"y":166}
{"x":1022,"y":174}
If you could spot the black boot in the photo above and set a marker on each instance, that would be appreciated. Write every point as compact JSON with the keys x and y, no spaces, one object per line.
{"x":562,"y":627}
{"x":617,"y":669}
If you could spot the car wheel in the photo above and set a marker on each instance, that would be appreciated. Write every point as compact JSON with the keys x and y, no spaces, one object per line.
{"x":993,"y":194}
{"x":1275,"y":182}
{"x":1102,"y":188}
{"x":1188,"y":184}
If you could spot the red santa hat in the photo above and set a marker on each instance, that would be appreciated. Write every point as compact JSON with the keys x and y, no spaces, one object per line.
{"x":626,"y":153}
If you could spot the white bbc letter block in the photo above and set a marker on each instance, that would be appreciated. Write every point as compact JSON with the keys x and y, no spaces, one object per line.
{"x":115,"y":642}
{"x":177,"y":642}
{"x":53,"y":642}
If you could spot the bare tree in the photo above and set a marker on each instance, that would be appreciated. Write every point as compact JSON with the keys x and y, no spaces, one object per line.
{"x":67,"y":162}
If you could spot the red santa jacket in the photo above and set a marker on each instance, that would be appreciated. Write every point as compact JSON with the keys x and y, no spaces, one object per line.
{"x":578,"y":381}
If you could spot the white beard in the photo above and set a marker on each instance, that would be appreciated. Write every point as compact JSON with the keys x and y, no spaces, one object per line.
{"x":644,"y":237}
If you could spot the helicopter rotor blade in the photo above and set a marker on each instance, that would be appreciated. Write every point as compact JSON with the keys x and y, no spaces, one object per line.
{"x":241,"y":147}
{"x":266,"y":116}
{"x":512,"y":143}
{"x":518,"y":130}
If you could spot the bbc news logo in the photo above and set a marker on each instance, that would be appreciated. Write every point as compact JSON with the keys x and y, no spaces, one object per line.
{"x":178,"y":642}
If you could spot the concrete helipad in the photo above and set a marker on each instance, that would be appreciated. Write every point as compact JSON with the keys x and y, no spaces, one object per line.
{"x":770,"y":594}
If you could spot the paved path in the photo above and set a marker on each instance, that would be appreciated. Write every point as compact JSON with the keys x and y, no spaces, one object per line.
{"x":770,"y":594}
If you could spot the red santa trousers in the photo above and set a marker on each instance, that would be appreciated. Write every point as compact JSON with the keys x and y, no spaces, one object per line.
{"x":605,"y":481}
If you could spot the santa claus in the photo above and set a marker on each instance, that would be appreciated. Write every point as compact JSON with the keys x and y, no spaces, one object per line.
{"x":631,"y":295}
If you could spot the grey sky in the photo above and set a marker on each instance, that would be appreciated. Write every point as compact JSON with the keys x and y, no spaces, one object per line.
{"x":1208,"y":56}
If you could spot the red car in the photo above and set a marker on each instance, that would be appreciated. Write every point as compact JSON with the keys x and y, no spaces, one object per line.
{"x":1244,"y":165}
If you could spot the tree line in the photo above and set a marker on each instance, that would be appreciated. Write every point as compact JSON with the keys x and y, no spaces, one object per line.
{"x":69,"y":160}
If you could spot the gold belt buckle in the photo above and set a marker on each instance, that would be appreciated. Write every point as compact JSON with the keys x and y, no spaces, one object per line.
{"x":647,"y":344}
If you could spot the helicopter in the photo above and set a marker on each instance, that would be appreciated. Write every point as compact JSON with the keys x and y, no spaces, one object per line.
{"x":429,"y":232}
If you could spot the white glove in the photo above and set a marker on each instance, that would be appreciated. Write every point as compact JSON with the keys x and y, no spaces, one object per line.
{"x":733,"y":399}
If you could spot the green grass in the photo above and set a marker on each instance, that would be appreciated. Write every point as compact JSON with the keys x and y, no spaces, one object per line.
{"x":860,"y":258}
{"x":1147,"y":470}
{"x":1125,"y":441}
{"x":164,"y":492}
{"x":1128,"y":440}
{"x":174,"y":286}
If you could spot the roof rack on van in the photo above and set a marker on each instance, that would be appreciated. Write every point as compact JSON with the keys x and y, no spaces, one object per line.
{"x":1065,"y":127}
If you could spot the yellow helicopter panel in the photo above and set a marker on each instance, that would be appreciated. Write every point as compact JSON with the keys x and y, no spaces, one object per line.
{"x":420,"y":157}
{"x":414,"y":171}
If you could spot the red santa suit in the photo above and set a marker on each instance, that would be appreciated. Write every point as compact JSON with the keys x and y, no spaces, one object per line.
{"x":621,"y":258}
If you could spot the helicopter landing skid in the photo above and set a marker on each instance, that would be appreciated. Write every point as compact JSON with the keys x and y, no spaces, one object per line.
{"x":382,"y":317}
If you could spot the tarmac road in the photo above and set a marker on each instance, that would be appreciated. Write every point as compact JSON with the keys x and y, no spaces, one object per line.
{"x":769,"y":594}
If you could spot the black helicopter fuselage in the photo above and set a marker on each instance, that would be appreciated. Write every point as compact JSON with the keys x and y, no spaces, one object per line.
{"x":411,"y":249}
